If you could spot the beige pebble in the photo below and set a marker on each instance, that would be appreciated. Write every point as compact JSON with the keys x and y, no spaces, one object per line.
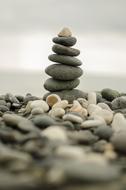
{"x":119,"y":122}
{"x":57,"y":112}
{"x":105,"y":114}
{"x":36,"y":111}
{"x":92,"y":108}
{"x":92,"y":123}
{"x":55,"y":133}
{"x":96,"y":158}
{"x":92,"y":99}
{"x":61,"y":104}
{"x":70,"y":152}
{"x":73,"y":118}
{"x":65,"y":32}
{"x":28,"y":107}
{"x":76,"y":106}
{"x":52,"y":99}
{"x":104,"y":106}
{"x":39,"y":103}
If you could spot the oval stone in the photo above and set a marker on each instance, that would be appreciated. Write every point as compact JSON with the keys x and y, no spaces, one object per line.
{"x":69,"y":95}
{"x":63,"y":72}
{"x":63,"y":50}
{"x":65,"y":59}
{"x":57,"y":85}
{"x":66,"y":41}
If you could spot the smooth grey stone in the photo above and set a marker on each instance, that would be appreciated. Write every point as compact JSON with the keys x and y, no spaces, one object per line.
{"x":30,"y":98}
{"x":109,"y":94}
{"x":66,"y":41}
{"x":3,"y":108}
{"x":69,"y":95}
{"x":119,"y":141}
{"x":85,"y":137}
{"x":3,"y":102}
{"x":57,"y":85}
{"x":63,"y":72}
{"x":11,"y":98}
{"x":26,"y":126}
{"x":65,"y":59}
{"x":119,"y":103}
{"x":43,"y":121}
{"x":103,"y":132}
{"x":63,"y":50}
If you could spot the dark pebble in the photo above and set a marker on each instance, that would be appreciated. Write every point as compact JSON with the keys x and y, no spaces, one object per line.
{"x":11,"y":98}
{"x":63,"y":72}
{"x":119,"y":103}
{"x":43,"y":121}
{"x":119,"y":141}
{"x":64,"y":59}
{"x":100,"y":146}
{"x":104,"y":132}
{"x":63,"y":50}
{"x":109,"y":94}
{"x":3,"y":108}
{"x":58,"y":85}
{"x":66,"y":41}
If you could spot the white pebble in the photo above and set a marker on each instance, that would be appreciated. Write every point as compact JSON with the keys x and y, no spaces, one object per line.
{"x":52,"y":99}
{"x":72,"y":118}
{"x":119,"y":122}
{"x":57,"y":112}
{"x":104,"y":106}
{"x":92,"y":123}
{"x":83,"y":102}
{"x":61,"y":104}
{"x":105,"y":114}
{"x":39,"y":103}
{"x":55,"y":133}
{"x":36,"y":111}
{"x":78,"y":108}
{"x":70,"y":152}
{"x":93,"y":108}
{"x":92,"y":99}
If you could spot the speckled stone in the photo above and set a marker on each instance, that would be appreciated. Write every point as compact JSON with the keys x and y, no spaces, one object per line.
{"x":66,"y":41}
{"x":63,"y":50}
{"x":69,"y":95}
{"x":63,"y":72}
{"x":65,"y":59}
{"x":119,"y":103}
{"x":58,"y":85}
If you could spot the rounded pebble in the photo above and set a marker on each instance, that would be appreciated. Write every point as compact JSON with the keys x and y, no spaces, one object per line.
{"x":73,"y":118}
{"x":65,"y":32}
{"x":39,"y":103}
{"x":92,"y":123}
{"x":109,"y":94}
{"x":52,"y":99}
{"x":61,"y":104}
{"x":66,"y":41}
{"x":92,"y":98}
{"x":56,"y":112}
{"x":119,"y":122}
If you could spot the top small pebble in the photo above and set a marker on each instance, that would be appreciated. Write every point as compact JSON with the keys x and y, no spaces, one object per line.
{"x":65,"y":32}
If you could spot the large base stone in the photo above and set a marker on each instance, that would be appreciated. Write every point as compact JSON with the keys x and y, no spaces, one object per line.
{"x":69,"y":95}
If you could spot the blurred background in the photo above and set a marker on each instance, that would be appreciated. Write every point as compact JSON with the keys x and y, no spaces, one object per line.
{"x":28,"y":26}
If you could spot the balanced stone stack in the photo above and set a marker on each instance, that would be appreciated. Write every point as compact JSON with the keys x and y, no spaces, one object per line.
{"x":66,"y":71}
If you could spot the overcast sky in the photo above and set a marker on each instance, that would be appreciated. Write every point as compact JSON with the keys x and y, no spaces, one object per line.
{"x":81,"y":15}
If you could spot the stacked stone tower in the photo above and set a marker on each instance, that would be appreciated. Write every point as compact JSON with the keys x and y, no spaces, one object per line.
{"x":65,"y":72}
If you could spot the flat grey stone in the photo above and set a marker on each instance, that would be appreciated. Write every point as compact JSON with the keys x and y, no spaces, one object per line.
{"x":63,"y":50}
{"x":57,"y":85}
{"x":65,"y":59}
{"x":63,"y":72}
{"x":69,"y":95}
{"x":66,"y":41}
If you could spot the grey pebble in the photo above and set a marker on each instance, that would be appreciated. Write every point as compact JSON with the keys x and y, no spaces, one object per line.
{"x":65,"y":59}
{"x":66,"y":41}
{"x":63,"y":50}
{"x":100,"y":146}
{"x":57,"y":85}
{"x":3,"y":108}
{"x":30,"y":98}
{"x":20,"y":98}
{"x":85,"y":137}
{"x":119,"y":141}
{"x":43,"y":121}
{"x":63,"y":72}
{"x":69,"y":95}
{"x":119,"y":103}
{"x":3,"y":102}
{"x":11,"y":98}
{"x":109,"y":94}
{"x":73,"y":118}
{"x":104,"y":132}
